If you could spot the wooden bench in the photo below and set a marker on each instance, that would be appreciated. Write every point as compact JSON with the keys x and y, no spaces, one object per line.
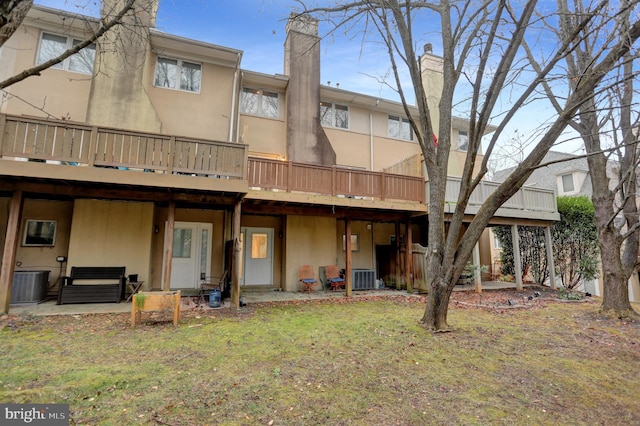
{"x":110,"y":285}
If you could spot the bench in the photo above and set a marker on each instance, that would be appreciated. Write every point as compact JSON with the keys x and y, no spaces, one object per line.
{"x":110,"y":285}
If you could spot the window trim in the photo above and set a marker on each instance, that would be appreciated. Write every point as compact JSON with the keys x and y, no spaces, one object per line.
{"x":400,"y":120}
{"x":178,"y":77}
{"x":70,"y":42}
{"x":260,"y":93}
{"x":333,"y":108}
{"x":27,"y":235}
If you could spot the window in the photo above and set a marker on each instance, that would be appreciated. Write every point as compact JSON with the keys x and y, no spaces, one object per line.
{"x":260,"y":102}
{"x":567,"y":183}
{"x":52,"y":46}
{"x":333,"y":115}
{"x":259,"y":246}
{"x":177,"y":74}
{"x":39,"y":233}
{"x":400,"y":128}
{"x":182,"y":243}
{"x":463,"y":140}
{"x":355,"y":242}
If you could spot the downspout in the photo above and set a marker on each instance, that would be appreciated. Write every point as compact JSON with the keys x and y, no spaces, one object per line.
{"x":234,"y":95}
{"x":371,"y":134}
{"x":238,"y":120}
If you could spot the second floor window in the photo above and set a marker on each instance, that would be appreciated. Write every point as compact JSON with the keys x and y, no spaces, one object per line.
{"x":334,"y":115}
{"x":260,"y":102}
{"x":463,"y":140}
{"x":52,"y":46}
{"x":400,"y":128}
{"x":177,"y":74}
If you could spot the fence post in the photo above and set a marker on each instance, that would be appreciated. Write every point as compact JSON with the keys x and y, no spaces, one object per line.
{"x":383,"y":186}
{"x":289,"y":175}
{"x":334,"y":183}
{"x":93,"y":146}
{"x":172,"y":153}
{"x":3,"y":120}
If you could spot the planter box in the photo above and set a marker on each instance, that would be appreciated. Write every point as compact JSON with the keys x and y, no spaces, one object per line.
{"x":155,"y":301}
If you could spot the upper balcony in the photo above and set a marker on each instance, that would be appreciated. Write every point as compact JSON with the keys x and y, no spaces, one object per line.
{"x":112,"y":156}
{"x":100,"y":155}
{"x":528,"y":203}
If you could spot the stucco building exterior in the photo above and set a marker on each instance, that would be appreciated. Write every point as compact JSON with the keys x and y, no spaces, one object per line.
{"x":168,"y":158}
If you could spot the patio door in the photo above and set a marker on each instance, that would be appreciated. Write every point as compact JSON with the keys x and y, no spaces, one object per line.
{"x":257,"y":256}
{"x":191,"y":254}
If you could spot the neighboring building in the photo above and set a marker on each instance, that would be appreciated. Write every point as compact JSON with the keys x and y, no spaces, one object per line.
{"x":568,"y":175}
{"x":168,"y":158}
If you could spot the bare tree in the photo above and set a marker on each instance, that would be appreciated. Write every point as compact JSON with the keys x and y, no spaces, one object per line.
{"x":12,"y":13}
{"x":605,"y":123}
{"x":482,"y":46}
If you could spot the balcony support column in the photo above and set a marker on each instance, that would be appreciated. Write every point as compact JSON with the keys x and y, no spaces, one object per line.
{"x":168,"y":246}
{"x":517,"y":266}
{"x":347,"y":255}
{"x":408,"y":258}
{"x":398,"y":270}
{"x":477,"y":272}
{"x":550,"y":263}
{"x":10,"y":248}
{"x":237,"y":252}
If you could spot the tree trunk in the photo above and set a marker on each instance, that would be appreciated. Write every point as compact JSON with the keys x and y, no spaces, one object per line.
{"x":435,"y":314}
{"x":614,"y":276}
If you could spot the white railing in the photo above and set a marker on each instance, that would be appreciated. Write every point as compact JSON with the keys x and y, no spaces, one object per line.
{"x":527,"y":197}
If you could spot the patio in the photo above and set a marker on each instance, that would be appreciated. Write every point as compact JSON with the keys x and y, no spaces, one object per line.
{"x":51,"y":308}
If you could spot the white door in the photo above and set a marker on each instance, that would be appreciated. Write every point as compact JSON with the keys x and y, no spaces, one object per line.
{"x":191,"y":254}
{"x":257,"y":256}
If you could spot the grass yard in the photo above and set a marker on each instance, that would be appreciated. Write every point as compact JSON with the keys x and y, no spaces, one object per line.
{"x":328,"y":363}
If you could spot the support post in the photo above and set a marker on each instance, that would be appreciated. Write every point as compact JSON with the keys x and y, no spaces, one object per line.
{"x":517,"y":265}
{"x":237,"y":252}
{"x":10,"y":249}
{"x":408,"y":258}
{"x":347,"y":255}
{"x":398,"y":271}
{"x":550,"y":263}
{"x":477,"y":272}
{"x":168,"y":245}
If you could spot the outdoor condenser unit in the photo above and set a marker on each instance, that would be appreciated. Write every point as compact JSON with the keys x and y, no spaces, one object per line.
{"x":29,"y":286}
{"x":363,"y":279}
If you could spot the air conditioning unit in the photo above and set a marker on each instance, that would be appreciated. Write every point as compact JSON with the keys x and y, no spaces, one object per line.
{"x":29,"y":287}
{"x":363,"y":279}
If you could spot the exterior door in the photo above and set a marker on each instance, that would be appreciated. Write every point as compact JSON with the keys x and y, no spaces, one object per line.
{"x":257,"y":256}
{"x":191,"y":254}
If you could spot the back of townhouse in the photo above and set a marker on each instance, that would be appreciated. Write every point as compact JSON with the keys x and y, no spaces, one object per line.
{"x":161,"y":154}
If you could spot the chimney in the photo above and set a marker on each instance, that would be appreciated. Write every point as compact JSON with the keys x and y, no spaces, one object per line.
{"x":118,"y":97}
{"x":306,"y":140}
{"x":432,"y":69}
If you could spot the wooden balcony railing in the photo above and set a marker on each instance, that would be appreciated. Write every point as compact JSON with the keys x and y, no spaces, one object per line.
{"x":79,"y":144}
{"x":527,"y":198}
{"x":335,"y":181}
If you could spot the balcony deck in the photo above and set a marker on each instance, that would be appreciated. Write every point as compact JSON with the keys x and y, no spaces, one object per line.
{"x":48,"y":150}
{"x":528,"y":203}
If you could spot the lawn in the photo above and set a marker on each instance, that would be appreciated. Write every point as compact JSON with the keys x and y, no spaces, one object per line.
{"x":358,"y":363}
